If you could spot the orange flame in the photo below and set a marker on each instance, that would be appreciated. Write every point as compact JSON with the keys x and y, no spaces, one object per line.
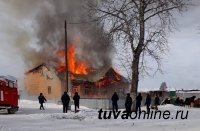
{"x":74,"y":66}
{"x":111,"y":77}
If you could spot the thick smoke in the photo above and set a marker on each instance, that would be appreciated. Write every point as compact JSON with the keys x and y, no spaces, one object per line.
{"x":43,"y":33}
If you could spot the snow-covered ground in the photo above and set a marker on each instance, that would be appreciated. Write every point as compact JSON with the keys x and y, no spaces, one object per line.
{"x":30,"y":118}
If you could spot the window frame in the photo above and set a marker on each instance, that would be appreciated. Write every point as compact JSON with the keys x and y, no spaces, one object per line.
{"x":49,"y":90}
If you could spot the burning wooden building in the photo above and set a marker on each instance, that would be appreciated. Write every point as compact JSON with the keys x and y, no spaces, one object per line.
{"x":103,"y":88}
{"x":98,"y":94}
{"x":95,"y":94}
{"x":95,"y":86}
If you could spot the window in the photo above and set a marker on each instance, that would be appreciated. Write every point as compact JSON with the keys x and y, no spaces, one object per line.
{"x":1,"y":84}
{"x":15,"y":85}
{"x":7,"y":84}
{"x":11,"y":85}
{"x":49,"y":89}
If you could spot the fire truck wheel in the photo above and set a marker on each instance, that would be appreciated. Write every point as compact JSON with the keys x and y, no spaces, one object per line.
{"x":11,"y":110}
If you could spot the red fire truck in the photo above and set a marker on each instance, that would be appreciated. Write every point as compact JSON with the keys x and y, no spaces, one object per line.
{"x":8,"y":95}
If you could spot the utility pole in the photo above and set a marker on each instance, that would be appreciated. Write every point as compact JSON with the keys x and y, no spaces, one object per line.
{"x":66,"y":62}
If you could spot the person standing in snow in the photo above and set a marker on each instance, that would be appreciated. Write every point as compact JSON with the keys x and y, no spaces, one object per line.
{"x":76,"y":99}
{"x":138,"y":102}
{"x":41,"y":99}
{"x":65,"y":101}
{"x":114,"y":99}
{"x":157,"y":102}
{"x":128,"y":103}
{"x":148,"y":102}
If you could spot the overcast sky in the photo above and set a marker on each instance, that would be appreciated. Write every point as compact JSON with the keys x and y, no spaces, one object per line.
{"x":181,"y":65}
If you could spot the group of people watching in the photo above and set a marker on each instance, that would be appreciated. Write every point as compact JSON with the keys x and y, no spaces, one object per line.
{"x":129,"y":101}
{"x":65,"y":101}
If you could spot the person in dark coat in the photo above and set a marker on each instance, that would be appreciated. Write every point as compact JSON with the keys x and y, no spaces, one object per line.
{"x":177,"y":101}
{"x":65,"y":101}
{"x":148,"y":103}
{"x":41,"y":99}
{"x":157,"y":102}
{"x":128,"y":103}
{"x":115,"y":98}
{"x":76,"y":99}
{"x":138,"y":102}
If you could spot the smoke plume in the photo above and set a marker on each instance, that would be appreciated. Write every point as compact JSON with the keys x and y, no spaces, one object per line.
{"x":40,"y":32}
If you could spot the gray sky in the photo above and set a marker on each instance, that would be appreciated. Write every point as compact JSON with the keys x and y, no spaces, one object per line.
{"x":181,"y":65}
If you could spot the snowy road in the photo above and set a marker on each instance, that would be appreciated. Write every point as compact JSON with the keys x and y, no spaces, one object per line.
{"x":30,"y":118}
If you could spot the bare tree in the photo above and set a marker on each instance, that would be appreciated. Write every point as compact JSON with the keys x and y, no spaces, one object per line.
{"x":142,"y":27}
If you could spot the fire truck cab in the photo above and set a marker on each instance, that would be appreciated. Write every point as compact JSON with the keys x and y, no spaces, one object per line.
{"x":8,"y":95}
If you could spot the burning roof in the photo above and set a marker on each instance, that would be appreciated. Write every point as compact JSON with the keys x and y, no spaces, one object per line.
{"x":111,"y":77}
